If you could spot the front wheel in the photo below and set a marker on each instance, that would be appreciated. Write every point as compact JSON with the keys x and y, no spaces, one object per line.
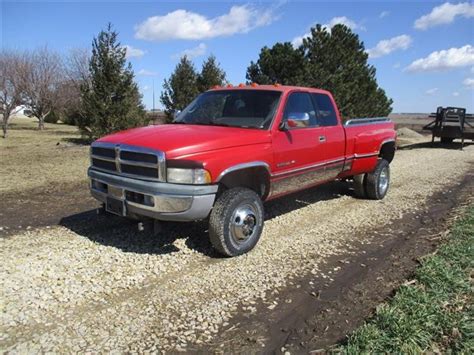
{"x":378,"y":181}
{"x":236,"y":221}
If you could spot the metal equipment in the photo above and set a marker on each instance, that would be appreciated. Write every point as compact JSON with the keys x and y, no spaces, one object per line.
{"x":451,"y":123}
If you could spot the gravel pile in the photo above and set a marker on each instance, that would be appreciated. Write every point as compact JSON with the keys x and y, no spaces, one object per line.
{"x":96,"y":288}
{"x":408,"y":133}
{"x":407,"y":136}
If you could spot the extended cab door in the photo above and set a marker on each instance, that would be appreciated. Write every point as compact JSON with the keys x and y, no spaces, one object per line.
{"x":299,"y":148}
{"x":334,"y":134}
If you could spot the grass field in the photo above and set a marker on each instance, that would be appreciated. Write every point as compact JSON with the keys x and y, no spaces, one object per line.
{"x":432,"y":313}
{"x":32,"y":158}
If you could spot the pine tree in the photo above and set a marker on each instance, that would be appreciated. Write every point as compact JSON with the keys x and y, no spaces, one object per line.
{"x":111,"y":100}
{"x":181,"y":88}
{"x":211,"y":75}
{"x":334,"y":60}
{"x":281,"y":64}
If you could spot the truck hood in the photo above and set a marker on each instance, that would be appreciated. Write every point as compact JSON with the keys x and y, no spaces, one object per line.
{"x":179,"y":140}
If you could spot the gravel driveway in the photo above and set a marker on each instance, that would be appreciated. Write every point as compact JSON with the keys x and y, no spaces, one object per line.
{"x":95,"y":284}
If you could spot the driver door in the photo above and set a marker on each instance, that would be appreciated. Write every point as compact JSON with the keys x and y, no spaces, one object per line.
{"x":298,"y":147}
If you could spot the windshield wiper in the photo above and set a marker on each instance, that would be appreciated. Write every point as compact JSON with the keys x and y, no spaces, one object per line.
{"x":221,"y":124}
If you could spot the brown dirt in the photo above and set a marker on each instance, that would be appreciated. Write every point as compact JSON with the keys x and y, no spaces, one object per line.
{"x":43,"y":206}
{"x":320,"y":312}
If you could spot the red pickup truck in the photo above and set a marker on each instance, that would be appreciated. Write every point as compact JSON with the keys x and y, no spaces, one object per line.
{"x":232,"y":149}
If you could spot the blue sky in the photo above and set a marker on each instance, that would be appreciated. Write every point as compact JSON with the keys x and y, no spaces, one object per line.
{"x":423,"y":51}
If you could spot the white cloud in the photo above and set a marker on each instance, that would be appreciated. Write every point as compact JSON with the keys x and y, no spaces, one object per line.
{"x":183,"y":24}
{"x":444,"y":14}
{"x":132,"y":52}
{"x":444,"y":60}
{"x":191,"y":53}
{"x":431,"y":92}
{"x":455,"y":94}
{"x":396,"y":65}
{"x":146,"y":88}
{"x":144,"y":72}
{"x":384,"y":14}
{"x":469,"y":82}
{"x":388,"y":46}
{"x":343,"y":20}
{"x":298,"y":41}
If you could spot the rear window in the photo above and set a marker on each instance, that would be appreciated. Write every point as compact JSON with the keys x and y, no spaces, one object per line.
{"x":325,"y":110}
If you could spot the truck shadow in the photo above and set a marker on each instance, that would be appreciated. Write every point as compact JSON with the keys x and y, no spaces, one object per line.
{"x":123,"y":234}
{"x":424,"y":145}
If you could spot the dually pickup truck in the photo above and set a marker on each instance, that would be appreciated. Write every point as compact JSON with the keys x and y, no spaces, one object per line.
{"x":232,"y":149}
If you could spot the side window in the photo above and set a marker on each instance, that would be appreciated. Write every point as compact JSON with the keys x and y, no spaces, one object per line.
{"x":299,"y":111}
{"x":325,"y":109}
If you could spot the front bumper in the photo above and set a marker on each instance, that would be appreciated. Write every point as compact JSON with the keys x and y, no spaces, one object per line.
{"x":158,"y":200}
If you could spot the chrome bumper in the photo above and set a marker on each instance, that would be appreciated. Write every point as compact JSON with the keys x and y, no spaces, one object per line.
{"x":158,"y":200}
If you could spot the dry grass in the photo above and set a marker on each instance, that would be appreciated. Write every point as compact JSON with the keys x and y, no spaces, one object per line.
{"x":32,"y":158}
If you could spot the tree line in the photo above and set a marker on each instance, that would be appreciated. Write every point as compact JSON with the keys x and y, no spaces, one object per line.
{"x":332,"y":59}
{"x":96,"y":90}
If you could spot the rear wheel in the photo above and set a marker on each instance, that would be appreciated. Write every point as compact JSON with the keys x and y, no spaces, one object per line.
{"x":236,"y":221}
{"x":378,"y":181}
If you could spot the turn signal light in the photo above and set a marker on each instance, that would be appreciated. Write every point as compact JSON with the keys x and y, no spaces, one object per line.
{"x":254,"y":85}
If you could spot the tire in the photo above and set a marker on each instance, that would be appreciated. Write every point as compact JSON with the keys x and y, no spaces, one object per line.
{"x":359,"y":185}
{"x":447,"y":140}
{"x":236,"y":213}
{"x":378,"y":181}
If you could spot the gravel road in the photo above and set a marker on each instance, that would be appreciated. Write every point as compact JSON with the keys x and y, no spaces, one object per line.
{"x":97,"y":285}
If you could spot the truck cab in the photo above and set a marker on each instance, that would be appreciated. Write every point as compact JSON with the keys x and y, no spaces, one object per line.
{"x":231,"y":150}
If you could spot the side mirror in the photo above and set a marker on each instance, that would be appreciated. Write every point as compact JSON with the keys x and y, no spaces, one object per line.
{"x":283,"y":126}
{"x":176,"y":114}
{"x":298,"y":120}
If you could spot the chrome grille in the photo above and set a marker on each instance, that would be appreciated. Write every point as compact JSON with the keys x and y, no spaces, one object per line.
{"x":129,"y":161}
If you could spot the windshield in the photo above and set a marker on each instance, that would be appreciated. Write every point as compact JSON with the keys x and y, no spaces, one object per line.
{"x":235,"y":108}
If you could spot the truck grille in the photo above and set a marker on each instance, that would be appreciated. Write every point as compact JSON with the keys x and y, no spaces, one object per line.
{"x":129,"y":161}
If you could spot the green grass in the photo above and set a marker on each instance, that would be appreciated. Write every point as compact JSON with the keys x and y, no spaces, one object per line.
{"x":434,"y":313}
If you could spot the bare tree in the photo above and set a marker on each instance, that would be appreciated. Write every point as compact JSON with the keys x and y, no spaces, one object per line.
{"x":76,"y":76}
{"x":42,"y":82}
{"x":77,"y":65}
{"x":12,"y":69}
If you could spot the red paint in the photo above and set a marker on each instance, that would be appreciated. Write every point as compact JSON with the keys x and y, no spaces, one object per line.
{"x":219,"y":148}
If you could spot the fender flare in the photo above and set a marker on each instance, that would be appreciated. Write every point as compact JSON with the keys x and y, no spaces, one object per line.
{"x":242,"y":166}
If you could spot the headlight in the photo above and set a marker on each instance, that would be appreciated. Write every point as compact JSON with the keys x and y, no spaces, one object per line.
{"x":188,"y":176}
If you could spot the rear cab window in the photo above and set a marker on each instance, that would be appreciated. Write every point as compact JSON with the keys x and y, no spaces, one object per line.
{"x":325,"y":110}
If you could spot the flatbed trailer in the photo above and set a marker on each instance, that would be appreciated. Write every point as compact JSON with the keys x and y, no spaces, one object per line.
{"x":451,"y":123}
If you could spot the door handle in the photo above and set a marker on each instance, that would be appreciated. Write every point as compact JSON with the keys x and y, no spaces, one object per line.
{"x":322,"y":138}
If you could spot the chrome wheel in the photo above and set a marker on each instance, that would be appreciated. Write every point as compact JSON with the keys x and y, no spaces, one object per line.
{"x":384,"y":180}
{"x":243,"y":223}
